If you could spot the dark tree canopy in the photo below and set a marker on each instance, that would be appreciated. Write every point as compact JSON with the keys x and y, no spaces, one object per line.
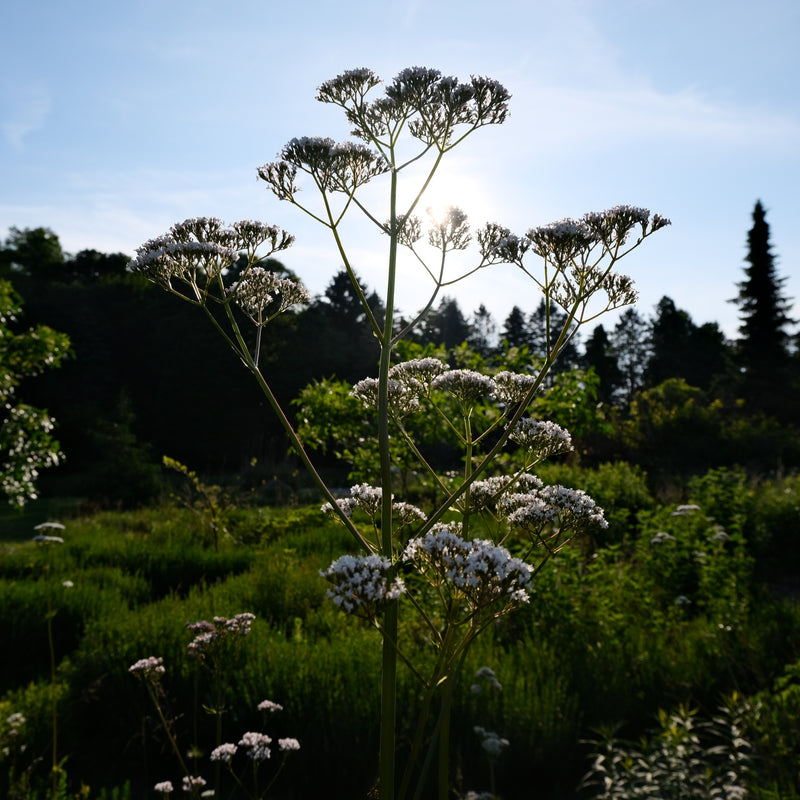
{"x":763,"y":344}
{"x":599,"y":354}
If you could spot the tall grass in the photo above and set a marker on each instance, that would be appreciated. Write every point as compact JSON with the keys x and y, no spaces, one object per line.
{"x":603,"y":642}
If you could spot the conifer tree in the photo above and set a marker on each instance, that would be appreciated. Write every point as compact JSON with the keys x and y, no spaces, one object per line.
{"x":763,"y":344}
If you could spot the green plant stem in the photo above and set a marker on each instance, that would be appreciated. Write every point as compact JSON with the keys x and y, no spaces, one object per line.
{"x":388,"y":723}
{"x":54,"y":770}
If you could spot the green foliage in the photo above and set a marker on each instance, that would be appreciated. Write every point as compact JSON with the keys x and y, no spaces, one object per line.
{"x":26,"y":443}
{"x":686,"y":758}
{"x":619,"y":488}
{"x":602,"y":641}
{"x":673,"y":429}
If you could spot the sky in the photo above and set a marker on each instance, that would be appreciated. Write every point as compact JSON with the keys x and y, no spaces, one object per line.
{"x":119,"y":119}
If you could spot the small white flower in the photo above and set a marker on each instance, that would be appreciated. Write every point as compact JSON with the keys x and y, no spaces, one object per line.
{"x":662,"y":536}
{"x":67,"y":584}
{"x":165,"y":787}
{"x":225,"y":752}
{"x":151,"y":668}
{"x":193,"y":782}
{"x":257,"y":745}
{"x":268,"y":705}
{"x":288,"y":744}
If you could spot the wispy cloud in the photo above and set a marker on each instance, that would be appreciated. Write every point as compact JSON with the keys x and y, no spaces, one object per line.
{"x":26,"y":108}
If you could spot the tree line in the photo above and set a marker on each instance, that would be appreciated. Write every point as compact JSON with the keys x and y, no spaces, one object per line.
{"x":674,"y":394}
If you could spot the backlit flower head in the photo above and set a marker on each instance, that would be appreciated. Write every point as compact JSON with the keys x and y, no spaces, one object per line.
{"x":193,"y":783}
{"x":450,"y":230}
{"x":467,"y":385}
{"x":361,"y":584}
{"x":541,"y":437}
{"x":263,"y":294}
{"x":418,"y":371}
{"x":150,"y":669}
{"x":403,"y":395}
{"x":476,"y":569}
{"x":199,"y":250}
{"x":488,"y":492}
{"x":558,"y":506}
{"x":512,"y":387}
{"x":257,"y":745}
{"x":288,"y":744}
{"x":224,"y":753}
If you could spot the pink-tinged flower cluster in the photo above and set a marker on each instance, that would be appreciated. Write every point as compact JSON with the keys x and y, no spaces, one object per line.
{"x":224,"y":753}
{"x":288,"y":744}
{"x":362,"y":584}
{"x":164,"y":787}
{"x":193,"y":783}
{"x":151,"y":668}
{"x":256,"y":745}
{"x":477,"y":569}
{"x":210,"y":634}
{"x":268,"y":705}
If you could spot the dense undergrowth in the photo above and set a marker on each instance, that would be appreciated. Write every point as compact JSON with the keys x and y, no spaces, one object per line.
{"x":678,"y":605}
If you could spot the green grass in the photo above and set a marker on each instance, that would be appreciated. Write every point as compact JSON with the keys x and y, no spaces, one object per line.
{"x":602,"y":643}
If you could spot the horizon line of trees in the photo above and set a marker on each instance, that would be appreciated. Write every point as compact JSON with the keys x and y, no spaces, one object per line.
{"x":134,"y":391}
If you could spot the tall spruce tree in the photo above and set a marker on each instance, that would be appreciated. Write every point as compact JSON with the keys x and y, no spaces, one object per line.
{"x":763,"y":344}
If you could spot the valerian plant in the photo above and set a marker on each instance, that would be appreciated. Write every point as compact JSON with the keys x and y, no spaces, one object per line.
{"x":450,"y":582}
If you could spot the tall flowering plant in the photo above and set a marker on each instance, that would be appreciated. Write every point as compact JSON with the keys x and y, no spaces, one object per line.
{"x":429,"y":562}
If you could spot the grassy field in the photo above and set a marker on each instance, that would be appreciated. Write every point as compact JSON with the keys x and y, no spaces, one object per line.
{"x":672,"y":607}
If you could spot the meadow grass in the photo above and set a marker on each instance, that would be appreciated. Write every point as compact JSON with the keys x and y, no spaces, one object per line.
{"x":603,"y":642}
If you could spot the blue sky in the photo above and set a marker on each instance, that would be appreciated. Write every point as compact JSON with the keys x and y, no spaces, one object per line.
{"x":118,"y":119}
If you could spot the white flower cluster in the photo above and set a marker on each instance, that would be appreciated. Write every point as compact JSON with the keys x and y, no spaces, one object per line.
{"x":467,"y":385}
{"x":208,"y":634}
{"x":25,"y":448}
{"x":450,"y":230}
{"x":512,"y":387}
{"x":193,"y":783}
{"x":541,"y":437}
{"x":362,"y":495}
{"x":478,"y":569}
{"x":335,"y":167}
{"x":151,"y":668}
{"x":269,"y":705}
{"x":368,"y":499}
{"x":288,"y":744}
{"x":403,"y":395}
{"x":558,"y":506}
{"x":257,"y":745}
{"x":486,"y":674}
{"x":204,"y":246}
{"x":486,"y":493}
{"x":225,"y":752}
{"x":418,"y":370}
{"x":361,"y":583}
{"x":491,"y":742}
{"x":257,"y":290}
{"x":164,"y":787}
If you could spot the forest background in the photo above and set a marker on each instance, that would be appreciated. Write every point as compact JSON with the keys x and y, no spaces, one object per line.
{"x":662,"y":411}
{"x":655,"y":389}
